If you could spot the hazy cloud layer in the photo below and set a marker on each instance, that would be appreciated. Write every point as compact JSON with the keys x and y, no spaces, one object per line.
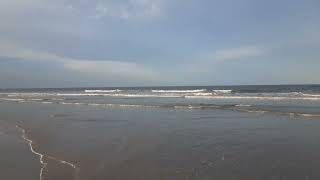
{"x":158,"y":42}
{"x":97,"y":69}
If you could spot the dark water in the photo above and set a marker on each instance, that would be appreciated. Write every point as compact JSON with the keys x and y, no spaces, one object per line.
{"x":167,"y":133}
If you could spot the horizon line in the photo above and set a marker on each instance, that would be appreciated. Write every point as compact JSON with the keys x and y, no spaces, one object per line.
{"x":157,"y":86}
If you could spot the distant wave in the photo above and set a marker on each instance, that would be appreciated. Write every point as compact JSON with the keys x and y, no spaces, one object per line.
{"x":257,"y":97}
{"x":292,"y":94}
{"x":193,"y":95}
{"x":243,"y":105}
{"x":308,"y":115}
{"x":27,"y":94}
{"x":196,"y":93}
{"x":202,"y":94}
{"x":103,"y":91}
{"x":123,"y":95}
{"x":312,"y":95}
{"x":222,"y":91}
{"x":36,"y":99}
{"x":179,"y":91}
{"x":78,"y":94}
{"x":46,"y":102}
{"x":12,"y":99}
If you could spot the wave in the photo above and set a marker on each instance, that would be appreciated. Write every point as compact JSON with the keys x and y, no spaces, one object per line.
{"x":67,"y":103}
{"x":202,"y":94}
{"x":35,"y":99}
{"x":15,"y":99}
{"x":179,"y":91}
{"x":188,"y":94}
{"x":312,"y":95}
{"x":243,"y":105}
{"x":286,"y":94}
{"x":28,"y":94}
{"x":102,"y":91}
{"x":308,"y":115}
{"x":78,"y":94}
{"x":143,"y":95}
{"x":46,"y":102}
{"x":222,"y":91}
{"x":256,"y":97}
{"x":124,"y":95}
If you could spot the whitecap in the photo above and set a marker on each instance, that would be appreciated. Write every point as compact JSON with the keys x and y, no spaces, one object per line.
{"x":222,"y":90}
{"x":179,"y":91}
{"x":102,"y":91}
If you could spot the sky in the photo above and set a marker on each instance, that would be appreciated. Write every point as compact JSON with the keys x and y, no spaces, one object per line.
{"x":81,"y":43}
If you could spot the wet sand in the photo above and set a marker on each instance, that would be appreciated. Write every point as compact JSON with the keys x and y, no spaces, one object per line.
{"x":157,"y":144}
{"x":16,"y":160}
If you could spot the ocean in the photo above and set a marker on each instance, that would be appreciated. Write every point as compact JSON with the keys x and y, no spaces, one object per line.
{"x":161,"y":133}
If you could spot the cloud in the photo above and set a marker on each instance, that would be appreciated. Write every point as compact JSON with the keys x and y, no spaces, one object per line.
{"x":93,"y":68}
{"x":130,"y":9}
{"x":237,"y":53}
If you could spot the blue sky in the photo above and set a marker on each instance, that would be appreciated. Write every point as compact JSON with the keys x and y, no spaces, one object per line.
{"x":68,"y":43}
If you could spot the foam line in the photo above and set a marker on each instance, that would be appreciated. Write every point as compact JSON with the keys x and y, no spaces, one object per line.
{"x":102,"y":91}
{"x":178,"y":91}
{"x":42,"y":156}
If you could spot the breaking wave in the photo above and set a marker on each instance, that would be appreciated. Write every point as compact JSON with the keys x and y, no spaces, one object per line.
{"x":222,"y":91}
{"x":257,"y":97}
{"x":179,"y":91}
{"x":103,"y":91}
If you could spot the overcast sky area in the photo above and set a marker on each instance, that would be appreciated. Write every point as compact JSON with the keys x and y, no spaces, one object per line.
{"x":80,"y":43}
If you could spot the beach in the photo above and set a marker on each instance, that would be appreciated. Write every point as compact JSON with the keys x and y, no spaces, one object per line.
{"x":76,"y":137}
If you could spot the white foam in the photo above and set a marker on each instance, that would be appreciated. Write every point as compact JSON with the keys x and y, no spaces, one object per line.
{"x":94,"y":104}
{"x":256,"y":111}
{"x":285,"y":94}
{"x":42,"y":156}
{"x":243,"y":105}
{"x":222,"y":90}
{"x":66,"y":103}
{"x":131,"y":105}
{"x":309,"y":115}
{"x":78,"y":94}
{"x":78,"y":103}
{"x":202,"y":94}
{"x":187,"y":107}
{"x":312,"y":95}
{"x":102,"y":91}
{"x":10,"y":99}
{"x":256,"y":97}
{"x":144,"y":95}
{"x":47,"y":102}
{"x":179,"y":91}
{"x":28,"y":94}
{"x":35,"y":99}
